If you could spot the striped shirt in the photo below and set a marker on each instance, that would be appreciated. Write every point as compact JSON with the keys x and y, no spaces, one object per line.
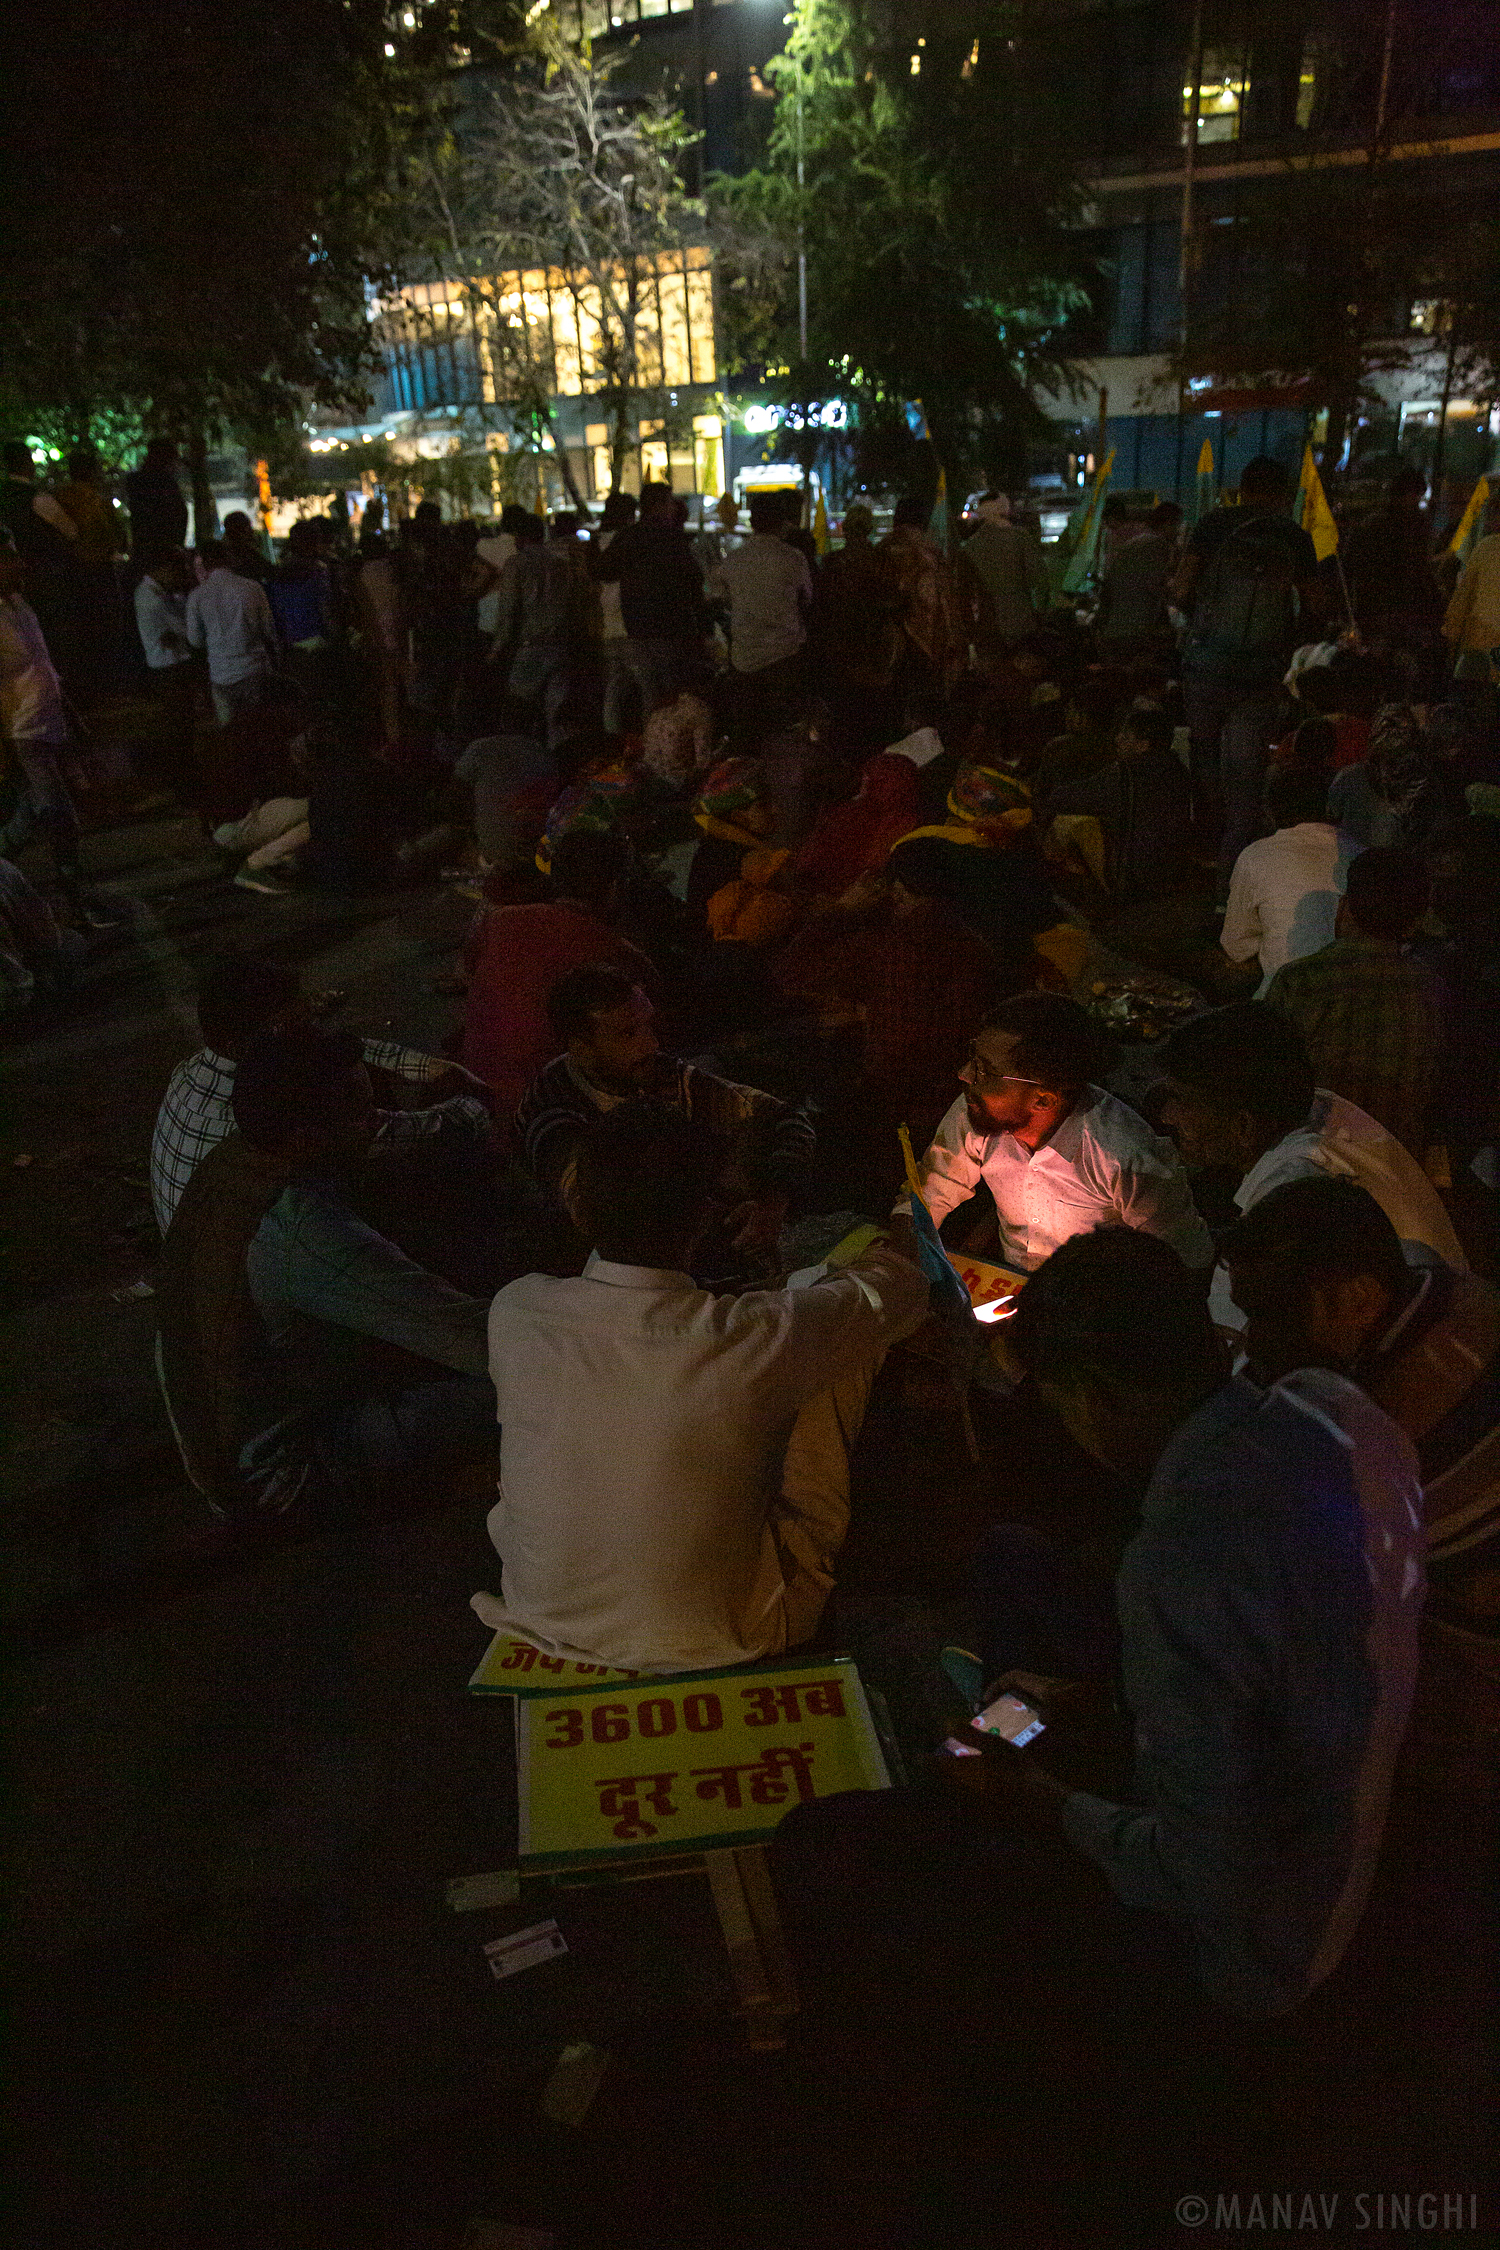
{"x":195,"y":1114}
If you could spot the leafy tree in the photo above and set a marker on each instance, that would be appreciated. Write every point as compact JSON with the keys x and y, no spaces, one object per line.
{"x":932,"y":211}
{"x":200,"y":198}
{"x":558,"y":170}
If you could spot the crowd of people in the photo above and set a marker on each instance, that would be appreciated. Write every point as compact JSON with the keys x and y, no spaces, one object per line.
{"x":773,"y":855}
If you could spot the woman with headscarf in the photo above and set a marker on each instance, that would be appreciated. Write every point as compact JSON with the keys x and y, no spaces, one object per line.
{"x":991,"y":871}
{"x":734,"y":883}
{"x":1391,"y":797}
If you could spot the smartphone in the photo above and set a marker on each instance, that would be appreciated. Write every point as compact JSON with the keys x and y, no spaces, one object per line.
{"x":1014,"y":1721}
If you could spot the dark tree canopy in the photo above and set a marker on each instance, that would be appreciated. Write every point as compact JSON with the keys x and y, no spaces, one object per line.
{"x":199,"y":195}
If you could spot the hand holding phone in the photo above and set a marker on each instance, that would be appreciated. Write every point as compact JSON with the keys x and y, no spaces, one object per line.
{"x":1014,"y":1721}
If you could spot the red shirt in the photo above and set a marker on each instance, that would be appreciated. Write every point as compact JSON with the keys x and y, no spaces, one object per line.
{"x":923,"y":985}
{"x":516,"y":954}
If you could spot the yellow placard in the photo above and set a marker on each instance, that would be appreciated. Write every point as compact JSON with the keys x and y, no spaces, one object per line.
{"x":513,"y":1667}
{"x":690,"y":1763}
{"x":986,"y":1283}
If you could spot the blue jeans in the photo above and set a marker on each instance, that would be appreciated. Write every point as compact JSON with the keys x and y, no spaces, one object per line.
{"x":1232,"y":730}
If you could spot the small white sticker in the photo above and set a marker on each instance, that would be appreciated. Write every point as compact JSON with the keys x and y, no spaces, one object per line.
{"x":507,"y":1956}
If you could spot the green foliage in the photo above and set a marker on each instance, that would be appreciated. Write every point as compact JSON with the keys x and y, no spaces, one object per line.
{"x":939,"y":263}
{"x":196,"y":209}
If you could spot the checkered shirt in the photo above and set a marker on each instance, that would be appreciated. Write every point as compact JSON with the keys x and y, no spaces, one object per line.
{"x":195,"y":1114}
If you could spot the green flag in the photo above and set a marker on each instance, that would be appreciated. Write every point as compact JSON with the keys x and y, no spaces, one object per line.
{"x":1083,"y":557}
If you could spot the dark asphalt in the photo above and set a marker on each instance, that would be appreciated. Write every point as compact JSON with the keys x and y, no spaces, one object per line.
{"x":242,"y":2013}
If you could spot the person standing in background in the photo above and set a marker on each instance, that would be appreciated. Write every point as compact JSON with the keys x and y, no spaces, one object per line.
{"x":153,"y":496}
{"x":229,"y":617}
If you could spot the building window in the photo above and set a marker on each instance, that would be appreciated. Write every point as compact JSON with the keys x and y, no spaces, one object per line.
{"x":1222,"y":84}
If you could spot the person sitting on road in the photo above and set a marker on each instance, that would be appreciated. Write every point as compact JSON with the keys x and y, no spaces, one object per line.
{"x":1285,"y":890}
{"x":1240,"y":1097}
{"x":1372,"y":1016}
{"x":516,"y":954}
{"x":1268,"y":1609}
{"x":241,"y":995}
{"x":302,"y":1356}
{"x":674,"y":1469}
{"x":1058,"y":1154}
{"x":607,"y":1026}
{"x":1319,"y":1273}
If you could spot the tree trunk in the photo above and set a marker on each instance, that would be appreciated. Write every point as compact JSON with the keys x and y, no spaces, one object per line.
{"x":565,"y":469}
{"x":205,"y":510}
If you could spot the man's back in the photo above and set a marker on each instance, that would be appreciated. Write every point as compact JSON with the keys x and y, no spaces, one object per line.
{"x":1010,"y":567}
{"x":1284,"y":895}
{"x":230,"y":618}
{"x":1371,"y":1019}
{"x":643,"y":1423}
{"x":661,"y":586}
{"x":1269,"y":1611}
{"x":769,"y":590}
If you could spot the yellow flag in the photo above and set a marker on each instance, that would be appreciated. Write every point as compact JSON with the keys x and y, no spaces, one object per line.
{"x":820,"y":525}
{"x":1205,"y":459}
{"x":1463,"y":538}
{"x":1312,"y":510}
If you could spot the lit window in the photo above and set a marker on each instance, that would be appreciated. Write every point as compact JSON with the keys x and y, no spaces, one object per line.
{"x":390,"y":50}
{"x":1222,"y":86}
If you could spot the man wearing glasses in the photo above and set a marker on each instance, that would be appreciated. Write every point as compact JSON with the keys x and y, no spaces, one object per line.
{"x":1059,"y":1155}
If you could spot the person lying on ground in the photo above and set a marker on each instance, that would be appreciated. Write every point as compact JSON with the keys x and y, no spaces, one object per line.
{"x":239,"y":996}
{"x":303,"y":1357}
{"x":674,"y":1472}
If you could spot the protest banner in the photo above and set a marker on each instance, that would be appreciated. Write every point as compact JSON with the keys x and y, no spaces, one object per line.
{"x":708,"y":1761}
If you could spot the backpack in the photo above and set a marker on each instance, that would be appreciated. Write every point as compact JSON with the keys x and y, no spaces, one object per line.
{"x":1247,"y":598}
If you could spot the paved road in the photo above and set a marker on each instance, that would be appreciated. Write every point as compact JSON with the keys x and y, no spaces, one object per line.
{"x":244,"y":2018}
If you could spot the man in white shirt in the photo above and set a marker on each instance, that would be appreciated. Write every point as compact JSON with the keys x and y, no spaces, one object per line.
{"x":1240,"y":1096}
{"x":768,"y":590}
{"x":230,"y":617}
{"x":161,"y":621}
{"x":674,"y":1473}
{"x":1059,"y":1155}
{"x":1285,"y":891}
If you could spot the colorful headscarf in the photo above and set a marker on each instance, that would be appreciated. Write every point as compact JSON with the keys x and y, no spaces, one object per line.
{"x":734,"y":787}
{"x":595,"y":802}
{"x":1398,"y":767}
{"x":988,"y":797}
